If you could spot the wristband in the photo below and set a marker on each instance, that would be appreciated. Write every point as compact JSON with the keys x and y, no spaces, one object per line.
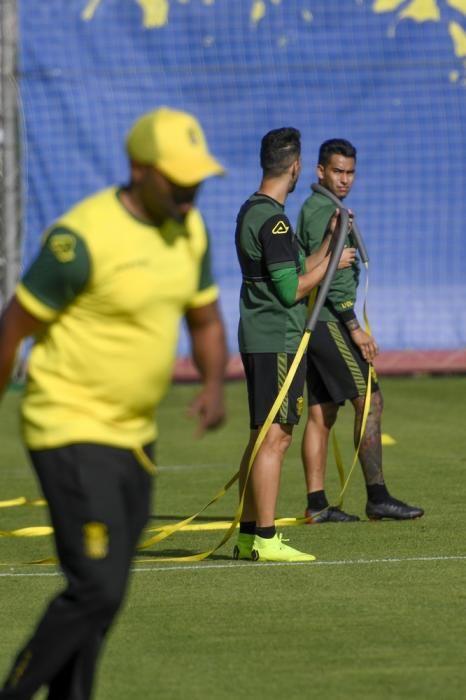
{"x":352,"y":325}
{"x":347,"y":315}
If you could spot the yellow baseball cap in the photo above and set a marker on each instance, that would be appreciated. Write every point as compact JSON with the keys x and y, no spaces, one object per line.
{"x":175,"y":144}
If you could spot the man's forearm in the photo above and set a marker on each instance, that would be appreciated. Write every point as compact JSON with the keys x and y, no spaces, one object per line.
{"x":8,"y":349}
{"x":15,"y":324}
{"x":315,"y":258}
{"x":349,"y":318}
{"x":6,"y":368}
{"x":208,"y":343}
{"x":352,"y":325}
{"x":210,"y":357}
{"x":311,"y":279}
{"x":209,"y":351}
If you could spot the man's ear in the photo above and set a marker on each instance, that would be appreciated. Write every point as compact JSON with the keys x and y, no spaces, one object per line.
{"x":319,"y":171}
{"x":295,"y":168}
{"x":137,"y":172}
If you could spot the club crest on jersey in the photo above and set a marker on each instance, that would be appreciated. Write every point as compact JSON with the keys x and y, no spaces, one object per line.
{"x":280,"y":228}
{"x":95,"y":539}
{"x":63,"y":247}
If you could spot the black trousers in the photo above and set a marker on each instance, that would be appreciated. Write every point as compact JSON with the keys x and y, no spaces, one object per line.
{"x":99,"y":501}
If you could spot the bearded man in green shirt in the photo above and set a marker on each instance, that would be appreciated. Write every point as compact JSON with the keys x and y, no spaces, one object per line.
{"x":276,"y":282}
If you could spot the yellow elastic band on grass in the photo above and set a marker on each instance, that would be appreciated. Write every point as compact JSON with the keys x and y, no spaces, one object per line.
{"x":22,"y":501}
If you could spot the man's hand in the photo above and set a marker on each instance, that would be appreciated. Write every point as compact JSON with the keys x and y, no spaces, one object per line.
{"x":333,"y":225}
{"x":15,"y":324}
{"x":348,"y":256}
{"x":210,"y":357}
{"x":209,"y":408}
{"x":333,"y":228}
{"x":365,"y":342}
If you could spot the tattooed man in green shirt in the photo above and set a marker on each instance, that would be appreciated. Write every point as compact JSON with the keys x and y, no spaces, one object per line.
{"x":339,"y":359}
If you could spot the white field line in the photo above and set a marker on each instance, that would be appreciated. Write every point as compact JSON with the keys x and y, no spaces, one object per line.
{"x":182,"y":467}
{"x":235,"y":565}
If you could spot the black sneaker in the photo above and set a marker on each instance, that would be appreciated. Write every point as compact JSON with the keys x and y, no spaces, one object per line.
{"x":329,"y":515}
{"x":394,"y":509}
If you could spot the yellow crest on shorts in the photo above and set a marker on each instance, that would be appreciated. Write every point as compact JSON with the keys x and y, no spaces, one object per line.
{"x":95,"y":540}
{"x":63,"y":247}
{"x":299,"y":405}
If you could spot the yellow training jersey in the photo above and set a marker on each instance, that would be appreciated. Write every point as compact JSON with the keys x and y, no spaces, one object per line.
{"x":113,"y":290}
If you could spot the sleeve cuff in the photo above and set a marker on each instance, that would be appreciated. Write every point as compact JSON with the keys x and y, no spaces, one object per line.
{"x":33,"y":305}
{"x":346,"y":315}
{"x":204,"y":297}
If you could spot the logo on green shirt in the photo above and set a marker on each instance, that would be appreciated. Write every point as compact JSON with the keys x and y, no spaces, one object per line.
{"x":280,"y":228}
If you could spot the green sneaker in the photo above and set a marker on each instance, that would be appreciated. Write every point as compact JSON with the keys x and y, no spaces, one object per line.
{"x":275,"y":549}
{"x":243,"y":546}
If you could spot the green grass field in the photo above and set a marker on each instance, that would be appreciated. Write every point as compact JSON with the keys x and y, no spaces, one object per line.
{"x":380,"y":614}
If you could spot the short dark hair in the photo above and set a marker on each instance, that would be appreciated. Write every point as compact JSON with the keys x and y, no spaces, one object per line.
{"x":279,"y":149}
{"x":339,"y":147}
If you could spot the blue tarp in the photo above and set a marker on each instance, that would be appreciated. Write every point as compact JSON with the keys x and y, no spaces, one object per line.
{"x":388,"y":75}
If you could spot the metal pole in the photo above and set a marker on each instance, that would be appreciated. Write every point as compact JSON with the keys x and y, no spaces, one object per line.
{"x":9,"y":153}
{"x":356,"y":232}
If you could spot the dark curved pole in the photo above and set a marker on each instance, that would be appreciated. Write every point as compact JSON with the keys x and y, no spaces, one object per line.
{"x":357,"y":233}
{"x":332,"y":266}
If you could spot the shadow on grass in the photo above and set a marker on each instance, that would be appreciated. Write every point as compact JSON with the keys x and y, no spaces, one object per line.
{"x":203,"y":518}
{"x":175,"y":553}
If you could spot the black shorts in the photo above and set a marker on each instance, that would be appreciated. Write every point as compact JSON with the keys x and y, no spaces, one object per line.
{"x":265,"y":375}
{"x":336,"y":370}
{"x":87,"y":484}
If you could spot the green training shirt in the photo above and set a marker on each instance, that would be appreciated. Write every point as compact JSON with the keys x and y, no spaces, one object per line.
{"x":268,"y":253}
{"x":313,"y":220}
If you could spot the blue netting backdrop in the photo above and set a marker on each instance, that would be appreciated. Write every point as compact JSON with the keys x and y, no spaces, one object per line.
{"x":390,"y":80}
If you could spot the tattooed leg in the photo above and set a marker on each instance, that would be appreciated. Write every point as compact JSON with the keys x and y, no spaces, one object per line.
{"x":370,"y":452}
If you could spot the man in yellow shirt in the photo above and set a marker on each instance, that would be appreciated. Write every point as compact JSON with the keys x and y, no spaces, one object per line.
{"x":104,"y":299}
